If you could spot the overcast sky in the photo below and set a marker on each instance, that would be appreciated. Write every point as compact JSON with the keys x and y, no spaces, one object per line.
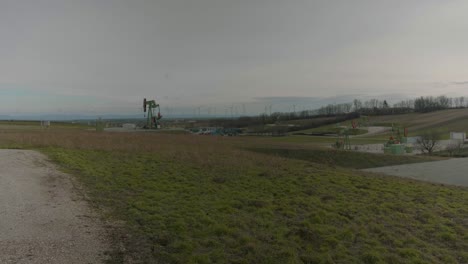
{"x":100,"y":56}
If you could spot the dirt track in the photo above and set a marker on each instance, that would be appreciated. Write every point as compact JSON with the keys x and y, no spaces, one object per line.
{"x":452,"y":171}
{"x":374,"y":130}
{"x":42,"y":218}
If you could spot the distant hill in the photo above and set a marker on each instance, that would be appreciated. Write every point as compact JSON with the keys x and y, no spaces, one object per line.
{"x":65,"y":117}
{"x":74,"y":117}
{"x":450,"y":120}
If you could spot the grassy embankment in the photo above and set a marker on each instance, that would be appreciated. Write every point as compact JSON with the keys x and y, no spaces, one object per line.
{"x":329,"y":129}
{"x":194,"y":199}
{"x":345,"y":159}
{"x":443,"y":121}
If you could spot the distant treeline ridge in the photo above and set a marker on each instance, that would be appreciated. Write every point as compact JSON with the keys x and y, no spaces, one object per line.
{"x":333,"y":113}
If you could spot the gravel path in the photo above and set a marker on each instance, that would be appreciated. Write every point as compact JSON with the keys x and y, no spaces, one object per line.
{"x":42,"y":218}
{"x":452,"y":171}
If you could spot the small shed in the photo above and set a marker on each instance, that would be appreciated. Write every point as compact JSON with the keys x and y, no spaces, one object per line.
{"x":458,"y":135}
{"x":45,"y":124}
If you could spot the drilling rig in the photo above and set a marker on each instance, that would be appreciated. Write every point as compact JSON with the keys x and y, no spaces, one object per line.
{"x":152,"y":121}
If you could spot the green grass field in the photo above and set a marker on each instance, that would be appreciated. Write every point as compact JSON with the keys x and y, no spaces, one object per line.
{"x":36,"y":125}
{"x":200,"y":199}
{"x":273,"y":211}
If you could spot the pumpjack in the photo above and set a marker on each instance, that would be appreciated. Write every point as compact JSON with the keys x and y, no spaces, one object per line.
{"x":152,"y":121}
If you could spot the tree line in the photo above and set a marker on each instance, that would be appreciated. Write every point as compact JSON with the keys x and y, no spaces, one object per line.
{"x":422,"y":104}
{"x":373,"y":106}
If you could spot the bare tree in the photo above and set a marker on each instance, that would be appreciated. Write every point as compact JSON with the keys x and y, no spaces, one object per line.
{"x":357,"y":105}
{"x":455,"y":147}
{"x":347,"y":107}
{"x":429,"y":141}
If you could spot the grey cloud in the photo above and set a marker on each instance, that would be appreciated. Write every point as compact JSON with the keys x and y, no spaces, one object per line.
{"x":222,"y":52}
{"x":460,"y":83}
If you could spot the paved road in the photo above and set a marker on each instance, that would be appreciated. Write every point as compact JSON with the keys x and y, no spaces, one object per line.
{"x":42,"y":218}
{"x":452,"y":171}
